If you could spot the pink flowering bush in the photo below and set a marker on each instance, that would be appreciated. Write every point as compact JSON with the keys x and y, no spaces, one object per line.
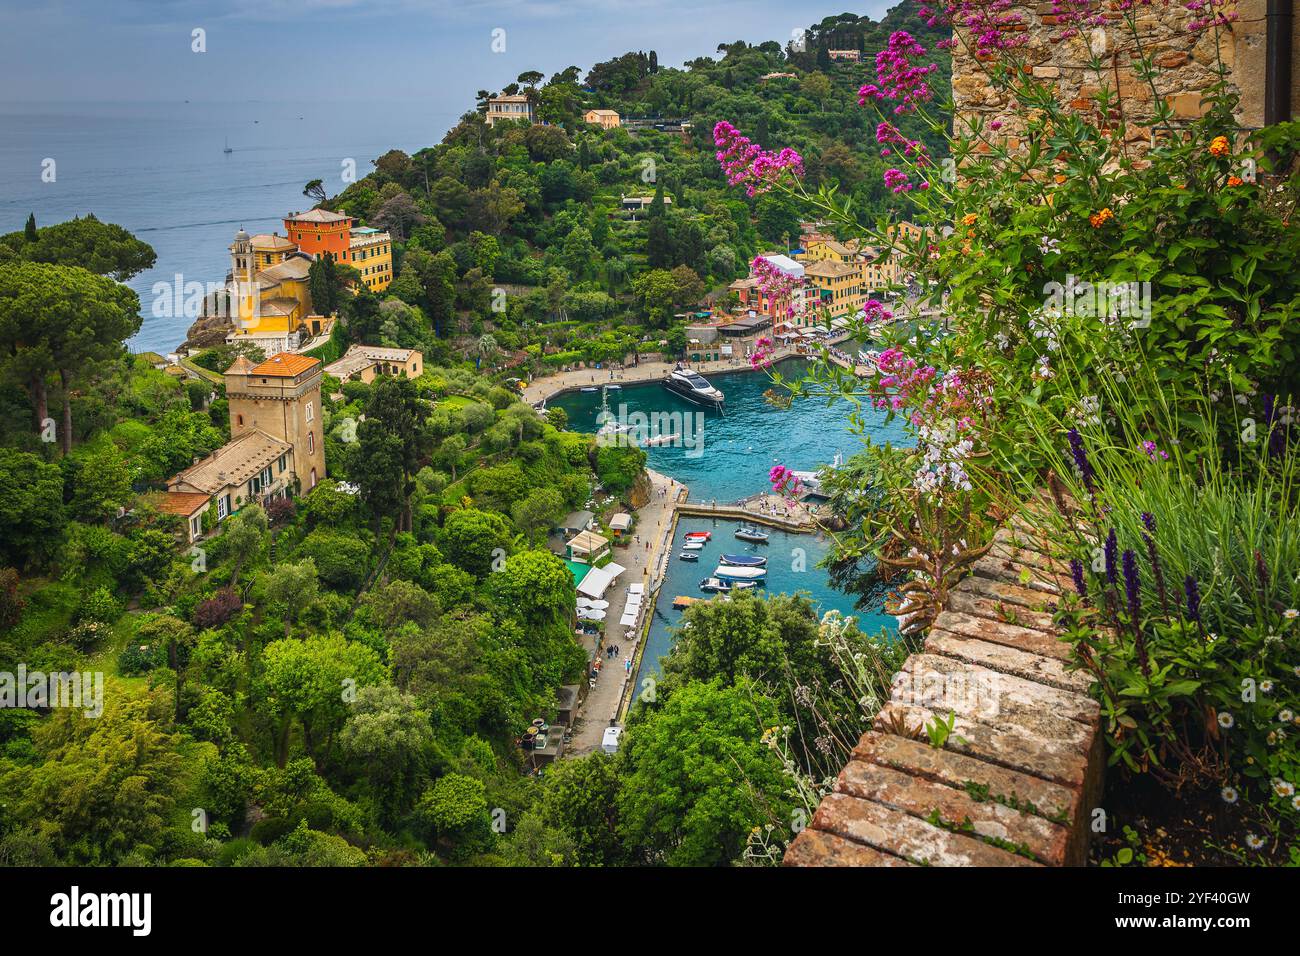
{"x":1120,"y":308}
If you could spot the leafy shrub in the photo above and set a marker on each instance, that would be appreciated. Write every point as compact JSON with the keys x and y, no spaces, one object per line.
{"x":141,"y":659}
{"x":281,"y":510}
{"x":218,"y":609}
{"x":99,"y":606}
{"x":85,"y":635}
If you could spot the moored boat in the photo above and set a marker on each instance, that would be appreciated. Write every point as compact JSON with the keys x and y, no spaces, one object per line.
{"x":689,"y":556}
{"x":702,"y":535}
{"x":693,"y":546}
{"x":715,"y":584}
{"x":744,"y":560}
{"x":693,"y":387}
{"x":748,"y":533}
{"x":740,"y":574}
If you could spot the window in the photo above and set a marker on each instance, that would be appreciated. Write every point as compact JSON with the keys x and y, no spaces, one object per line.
{"x":223,"y":507}
{"x":311,"y":443}
{"x":239,"y":420}
{"x":311,"y":412}
{"x":283,"y":459}
{"x":196,"y":526}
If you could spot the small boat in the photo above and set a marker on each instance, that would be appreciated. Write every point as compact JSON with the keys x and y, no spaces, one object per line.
{"x":747,"y":533}
{"x":743,"y":585}
{"x":693,"y":546}
{"x":227,"y":148}
{"x":689,"y":556}
{"x":744,"y":560}
{"x":702,"y":535}
{"x":591,"y":389}
{"x":613,"y":387}
{"x":715,"y":584}
{"x":740,"y":574}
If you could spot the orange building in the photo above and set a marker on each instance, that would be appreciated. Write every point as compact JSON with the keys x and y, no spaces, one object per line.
{"x":320,"y":231}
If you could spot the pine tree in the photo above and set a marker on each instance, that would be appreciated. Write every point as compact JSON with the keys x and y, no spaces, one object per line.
{"x":29,"y":233}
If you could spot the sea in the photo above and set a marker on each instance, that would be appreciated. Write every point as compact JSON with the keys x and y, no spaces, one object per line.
{"x":159,"y":169}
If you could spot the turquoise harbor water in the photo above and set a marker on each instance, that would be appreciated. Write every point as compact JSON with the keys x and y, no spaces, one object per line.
{"x":729,"y":459}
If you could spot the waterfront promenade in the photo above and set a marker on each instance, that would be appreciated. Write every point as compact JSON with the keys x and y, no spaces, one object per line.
{"x":645,"y":560}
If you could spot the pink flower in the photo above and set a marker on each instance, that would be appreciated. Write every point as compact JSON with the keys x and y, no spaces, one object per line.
{"x":746,"y":163}
{"x":784,"y":481}
{"x":874,"y":310}
{"x":898,"y":78}
{"x":1154,"y":452}
{"x":897,"y":181}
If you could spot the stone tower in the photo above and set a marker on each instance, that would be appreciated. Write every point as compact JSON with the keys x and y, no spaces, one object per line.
{"x":281,"y":397}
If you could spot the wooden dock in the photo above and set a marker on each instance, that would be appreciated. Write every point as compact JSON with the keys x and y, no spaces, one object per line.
{"x":698,"y":509}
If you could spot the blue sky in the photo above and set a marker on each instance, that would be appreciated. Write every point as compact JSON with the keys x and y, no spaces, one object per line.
{"x":434,"y":52}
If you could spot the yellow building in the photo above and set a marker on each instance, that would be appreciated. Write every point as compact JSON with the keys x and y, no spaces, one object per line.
{"x":511,"y":107}
{"x":605,"y":119}
{"x":268,"y":296}
{"x":275,"y":449}
{"x":370,"y":252}
{"x":879,"y":269}
{"x":837,"y":287}
{"x":364,"y":363}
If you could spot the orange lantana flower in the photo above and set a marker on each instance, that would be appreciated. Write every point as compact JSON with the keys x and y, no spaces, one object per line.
{"x":1234,"y":181}
{"x":1219,"y":146}
{"x":1099,"y":219}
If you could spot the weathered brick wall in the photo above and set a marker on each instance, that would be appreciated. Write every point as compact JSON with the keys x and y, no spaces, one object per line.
{"x":1187,"y":63}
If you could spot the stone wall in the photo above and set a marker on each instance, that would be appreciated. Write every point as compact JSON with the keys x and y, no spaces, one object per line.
{"x":1014,"y":783}
{"x":1187,"y":63}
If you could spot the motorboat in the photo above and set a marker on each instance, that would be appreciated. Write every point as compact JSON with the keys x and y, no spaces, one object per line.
{"x":689,"y":556}
{"x":693,"y":546}
{"x":748,"y":533}
{"x":715,"y":584}
{"x":743,"y":585}
{"x":740,"y":574}
{"x":693,"y":387}
{"x":701,"y":535}
{"x":744,"y":560}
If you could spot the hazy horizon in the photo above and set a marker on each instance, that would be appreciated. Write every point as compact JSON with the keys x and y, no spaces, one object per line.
{"x":430,"y":53}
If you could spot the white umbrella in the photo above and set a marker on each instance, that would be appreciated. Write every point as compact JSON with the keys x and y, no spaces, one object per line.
{"x":592,"y":615}
{"x":598,"y":605}
{"x":584,"y":602}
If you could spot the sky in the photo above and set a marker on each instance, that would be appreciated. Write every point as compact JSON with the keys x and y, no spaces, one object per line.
{"x":437,"y":53}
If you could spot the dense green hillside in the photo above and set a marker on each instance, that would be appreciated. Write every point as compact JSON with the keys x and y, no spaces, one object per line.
{"x":535,"y":210}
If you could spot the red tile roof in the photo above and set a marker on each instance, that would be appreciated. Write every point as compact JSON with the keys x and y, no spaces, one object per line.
{"x":183,"y":503}
{"x":285,"y":364}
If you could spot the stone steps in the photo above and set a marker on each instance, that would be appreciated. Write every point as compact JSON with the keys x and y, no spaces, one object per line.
{"x":1012,"y":784}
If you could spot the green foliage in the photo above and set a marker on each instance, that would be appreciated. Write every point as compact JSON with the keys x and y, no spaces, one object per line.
{"x":700,"y":776}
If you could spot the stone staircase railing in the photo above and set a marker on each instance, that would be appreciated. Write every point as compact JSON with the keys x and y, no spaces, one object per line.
{"x":1015,"y":780}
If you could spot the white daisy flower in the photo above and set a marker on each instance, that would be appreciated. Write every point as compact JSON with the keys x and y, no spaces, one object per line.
{"x":1229,"y":794}
{"x":1291,"y":614}
{"x":1285,"y":715}
{"x":1254,"y":842}
{"x":1266,"y":686}
{"x":1226,"y":721}
{"x":1283,"y":788}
